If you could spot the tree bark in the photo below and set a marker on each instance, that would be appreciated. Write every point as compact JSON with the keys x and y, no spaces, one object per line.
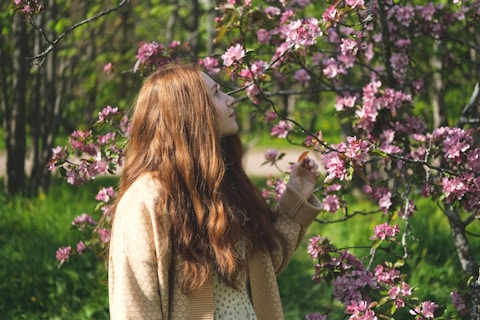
{"x":15,"y":117}
{"x":460,"y":240}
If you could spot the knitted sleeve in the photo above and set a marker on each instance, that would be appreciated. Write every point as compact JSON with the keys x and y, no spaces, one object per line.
{"x":293,"y":215}
{"x":139,"y":257}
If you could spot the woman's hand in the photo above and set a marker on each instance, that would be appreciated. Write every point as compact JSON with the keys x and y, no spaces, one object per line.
{"x":303,"y":176}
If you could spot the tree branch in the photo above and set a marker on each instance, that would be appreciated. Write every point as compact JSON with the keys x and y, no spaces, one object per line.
{"x":55,"y":42}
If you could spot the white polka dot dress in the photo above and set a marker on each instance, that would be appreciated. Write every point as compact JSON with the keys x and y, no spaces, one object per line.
{"x":232,"y":304}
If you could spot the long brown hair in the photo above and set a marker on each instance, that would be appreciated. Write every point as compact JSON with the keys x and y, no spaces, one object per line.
{"x":213,"y":205}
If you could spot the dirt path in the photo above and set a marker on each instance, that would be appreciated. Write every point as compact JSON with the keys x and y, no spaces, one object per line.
{"x":252,"y":162}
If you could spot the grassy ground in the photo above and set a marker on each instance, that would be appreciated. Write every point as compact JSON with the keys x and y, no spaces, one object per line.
{"x":33,"y":287}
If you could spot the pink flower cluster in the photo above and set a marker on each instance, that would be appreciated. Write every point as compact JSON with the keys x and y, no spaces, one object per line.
{"x":384,"y":231}
{"x":234,"y":54}
{"x":83,"y":221}
{"x":350,"y":153}
{"x":92,"y":153}
{"x":302,"y":33}
{"x":281,"y":129}
{"x":63,"y":254}
{"x":425,"y":311}
{"x":461,"y":153}
{"x":28,"y":7}
{"x":273,"y":191}
{"x":154,"y":54}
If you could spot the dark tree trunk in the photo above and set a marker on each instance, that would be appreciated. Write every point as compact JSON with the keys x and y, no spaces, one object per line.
{"x":15,"y":115}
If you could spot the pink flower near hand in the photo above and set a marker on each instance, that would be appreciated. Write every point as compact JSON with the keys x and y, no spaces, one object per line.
{"x":233,"y":54}
{"x":331,"y":203}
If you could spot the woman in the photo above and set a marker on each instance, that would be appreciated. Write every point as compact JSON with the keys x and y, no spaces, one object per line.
{"x":191,"y":237}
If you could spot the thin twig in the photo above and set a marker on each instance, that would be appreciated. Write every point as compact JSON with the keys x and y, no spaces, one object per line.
{"x":55,"y":42}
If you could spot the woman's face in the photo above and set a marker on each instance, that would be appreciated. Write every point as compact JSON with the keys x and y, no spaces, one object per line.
{"x":227,"y":124}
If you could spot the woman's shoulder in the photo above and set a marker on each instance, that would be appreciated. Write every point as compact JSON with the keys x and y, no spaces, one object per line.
{"x":145,"y":191}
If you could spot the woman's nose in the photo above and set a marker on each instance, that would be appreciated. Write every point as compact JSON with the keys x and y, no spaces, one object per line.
{"x":231,"y":102}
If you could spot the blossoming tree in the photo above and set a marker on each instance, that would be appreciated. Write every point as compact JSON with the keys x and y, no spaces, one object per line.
{"x":376,"y":63}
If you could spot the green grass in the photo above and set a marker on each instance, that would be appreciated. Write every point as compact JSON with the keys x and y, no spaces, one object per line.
{"x":33,"y":287}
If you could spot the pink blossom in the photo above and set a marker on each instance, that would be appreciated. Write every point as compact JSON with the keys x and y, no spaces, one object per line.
{"x":459,"y":302}
{"x":382,"y":231}
{"x":272,"y":11}
{"x":428,"y":11}
{"x":331,"y":14}
{"x":270,"y":116}
{"x":332,"y":68}
{"x":407,"y":210}
{"x":330,"y":203}
{"x":63,"y":254}
{"x":417,"y":85}
{"x":84,"y":219}
{"x":81,"y":247}
{"x":105,"y":194}
{"x":281,"y":129}
{"x":108,"y":67}
{"x":271,"y":156}
{"x":263,"y":35}
{"x":355,"y":150}
{"x":347,"y":60}
{"x":301,"y":76}
{"x":174,"y":44}
{"x":300,"y":3}
{"x":286,"y":16}
{"x":345,"y":102}
{"x":335,"y":166}
{"x":233,"y":54}
{"x":348,"y":46}
{"x":385,"y":202}
{"x":74,"y":178}
{"x":104,"y":235}
{"x":147,"y":53}
{"x":58,"y":152}
{"x":355,"y":3}
{"x":385,"y":275}
{"x":315,"y":140}
{"x":106,"y":112}
{"x":302,"y":32}
{"x":454,"y":188}
{"x":404,"y":14}
{"x":315,"y":247}
{"x":426,"y":310}
{"x":212,"y":66}
{"x":105,"y":138}
{"x":280,"y":187}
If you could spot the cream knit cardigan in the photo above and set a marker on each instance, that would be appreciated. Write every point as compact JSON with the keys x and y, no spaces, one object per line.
{"x":143,"y":268}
